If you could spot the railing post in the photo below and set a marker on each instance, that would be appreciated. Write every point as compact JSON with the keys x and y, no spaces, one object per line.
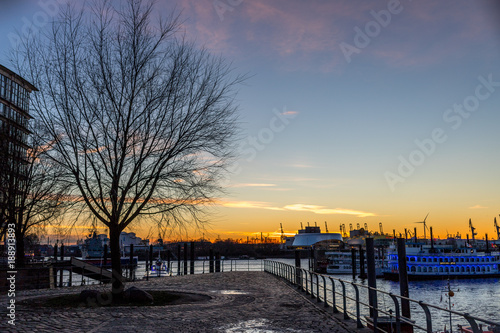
{"x":307,"y":287}
{"x":428,"y":318}
{"x":358,"y":314}
{"x":324,"y":290}
{"x":317,"y":287}
{"x":472,"y":323}
{"x":334,"y":306}
{"x":312,"y":284}
{"x":398,"y":315}
{"x":344,"y":297}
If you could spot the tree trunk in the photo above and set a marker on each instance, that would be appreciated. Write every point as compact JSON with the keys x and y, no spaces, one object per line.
{"x":116,"y":267}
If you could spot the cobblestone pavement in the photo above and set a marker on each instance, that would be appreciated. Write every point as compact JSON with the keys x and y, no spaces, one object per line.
{"x":255,"y":302}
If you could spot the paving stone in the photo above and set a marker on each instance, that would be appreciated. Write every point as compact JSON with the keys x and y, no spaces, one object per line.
{"x":240,"y":302}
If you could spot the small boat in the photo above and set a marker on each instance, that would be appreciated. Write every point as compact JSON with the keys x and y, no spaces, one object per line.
{"x":159,"y":268}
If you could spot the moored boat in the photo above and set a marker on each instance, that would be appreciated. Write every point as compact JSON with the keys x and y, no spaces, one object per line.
{"x":426,"y":262}
{"x":340,"y":262}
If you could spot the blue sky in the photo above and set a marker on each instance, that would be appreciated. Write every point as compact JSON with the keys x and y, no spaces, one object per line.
{"x":323,"y":132}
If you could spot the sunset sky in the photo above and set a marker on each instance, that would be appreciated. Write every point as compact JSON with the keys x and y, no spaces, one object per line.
{"x":354,"y":111}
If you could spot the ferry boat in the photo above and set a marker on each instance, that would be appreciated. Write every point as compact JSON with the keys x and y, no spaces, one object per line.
{"x":426,"y":262}
{"x":340,"y":262}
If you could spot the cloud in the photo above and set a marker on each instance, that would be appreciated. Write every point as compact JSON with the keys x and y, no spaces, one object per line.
{"x":477,"y":207}
{"x":300,"y":35}
{"x":254,"y":185}
{"x":249,"y":204}
{"x":327,"y":211}
{"x":297,"y":207}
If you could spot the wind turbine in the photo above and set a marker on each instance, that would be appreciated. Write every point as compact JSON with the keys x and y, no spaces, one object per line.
{"x":425,"y":225}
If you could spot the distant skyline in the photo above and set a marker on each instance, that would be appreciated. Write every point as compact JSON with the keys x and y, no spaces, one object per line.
{"x":354,"y":112}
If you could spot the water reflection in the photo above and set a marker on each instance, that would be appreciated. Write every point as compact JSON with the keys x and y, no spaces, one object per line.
{"x":255,"y":326}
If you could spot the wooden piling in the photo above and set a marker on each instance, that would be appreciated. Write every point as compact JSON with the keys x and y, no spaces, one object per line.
{"x":191,"y":260}
{"x":372,"y":277}
{"x":403,"y":278}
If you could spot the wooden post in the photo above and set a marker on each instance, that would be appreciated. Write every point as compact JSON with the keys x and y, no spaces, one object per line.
{"x":191,"y":260}
{"x":211,"y":261}
{"x":362,"y":273}
{"x":131,"y":261}
{"x":217,"y":262}
{"x":147,"y":265}
{"x":372,"y":280}
{"x":54,"y":269}
{"x":178,"y":259}
{"x":403,"y":278}
{"x":185,"y":258}
{"x":297,"y":269}
{"x":150,"y":256}
{"x":61,"y":271}
{"x":169,"y":257}
{"x":353,"y":262}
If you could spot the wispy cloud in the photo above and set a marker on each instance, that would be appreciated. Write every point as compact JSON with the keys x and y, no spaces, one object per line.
{"x":301,"y":34}
{"x":327,"y":211}
{"x":254,"y":185}
{"x":477,"y":207}
{"x":322,"y":210}
{"x":289,"y":113}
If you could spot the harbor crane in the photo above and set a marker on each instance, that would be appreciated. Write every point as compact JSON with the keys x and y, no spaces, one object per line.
{"x":473,"y":231}
{"x":497,"y":228}
{"x":342,"y":230}
{"x":425,"y":225}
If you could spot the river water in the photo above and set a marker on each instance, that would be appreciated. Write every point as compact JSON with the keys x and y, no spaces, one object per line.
{"x":478,"y":297}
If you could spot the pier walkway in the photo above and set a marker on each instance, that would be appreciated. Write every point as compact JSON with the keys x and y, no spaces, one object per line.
{"x":254,"y":302}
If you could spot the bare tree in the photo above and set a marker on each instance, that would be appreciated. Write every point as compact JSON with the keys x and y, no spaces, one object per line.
{"x":44,"y":195}
{"x":142,"y":119}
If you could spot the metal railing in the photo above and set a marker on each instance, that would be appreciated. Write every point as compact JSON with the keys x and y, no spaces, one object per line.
{"x":324,"y":289}
{"x":66,"y":275}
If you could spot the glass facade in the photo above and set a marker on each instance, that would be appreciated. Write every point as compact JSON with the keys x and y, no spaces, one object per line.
{"x":14,"y":123}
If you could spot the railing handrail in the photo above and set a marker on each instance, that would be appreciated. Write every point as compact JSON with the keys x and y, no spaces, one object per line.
{"x":425,"y":306}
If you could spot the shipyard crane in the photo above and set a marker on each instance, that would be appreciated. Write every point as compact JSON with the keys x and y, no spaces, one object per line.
{"x":342,"y":230}
{"x":473,"y":231}
{"x":497,"y":228}
{"x":282,"y":233}
{"x":425,"y":225}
